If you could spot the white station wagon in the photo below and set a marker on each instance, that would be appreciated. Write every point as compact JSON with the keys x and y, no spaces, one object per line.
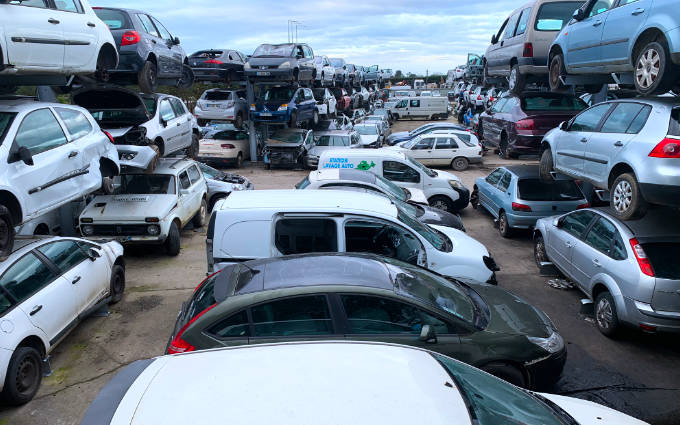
{"x":443,"y":148}
{"x":150,"y":208}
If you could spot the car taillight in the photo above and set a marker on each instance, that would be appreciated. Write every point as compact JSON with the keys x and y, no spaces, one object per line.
{"x":178,"y":345}
{"x":214,"y":61}
{"x":491,"y":99}
{"x":479,"y":97}
{"x":130,"y":37}
{"x":525,"y":125}
{"x":109,"y":136}
{"x":528,"y":51}
{"x":667,"y":148}
{"x":641,"y":256}
{"x":227,"y":146}
{"x":582,"y":206}
{"x":520,"y":207}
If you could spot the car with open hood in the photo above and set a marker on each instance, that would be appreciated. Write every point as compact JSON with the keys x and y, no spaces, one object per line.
{"x":289,"y":62}
{"x":222,"y":184}
{"x":326,"y":103}
{"x":143,"y":127}
{"x":287,"y":147}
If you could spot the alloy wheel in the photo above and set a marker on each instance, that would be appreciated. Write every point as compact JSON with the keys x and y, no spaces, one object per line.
{"x":623,"y":196}
{"x":648,"y":68}
{"x":539,"y":252}
{"x":439,"y":204}
{"x":604,"y":314}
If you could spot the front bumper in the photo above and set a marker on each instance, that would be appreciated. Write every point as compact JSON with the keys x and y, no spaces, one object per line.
{"x":281,"y":159}
{"x":272,"y":117}
{"x":544,"y":373}
{"x":127,"y":233}
{"x":463,"y":199}
{"x":638,"y":313}
{"x":138,"y":157}
{"x":661,"y":194}
{"x":270,"y":74}
{"x":214,"y":113}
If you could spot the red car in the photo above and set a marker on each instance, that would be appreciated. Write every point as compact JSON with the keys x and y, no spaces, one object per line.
{"x":344,"y":101}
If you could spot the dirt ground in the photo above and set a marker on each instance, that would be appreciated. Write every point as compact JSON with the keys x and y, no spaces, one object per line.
{"x":637,"y":373}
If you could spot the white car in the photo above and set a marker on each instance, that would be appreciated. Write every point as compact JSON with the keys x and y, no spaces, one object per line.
{"x":47,"y":286}
{"x":226,"y":145}
{"x":150,"y":208}
{"x":271,"y":223}
{"x":325,"y":72}
{"x":221,"y":184}
{"x":370,"y":134}
{"x":53,"y":40}
{"x":459,"y":72}
{"x":144,"y":127}
{"x":372,"y":383}
{"x":443,"y":148}
{"x":330,"y":140}
{"x":326,"y":104}
{"x":51,"y":154}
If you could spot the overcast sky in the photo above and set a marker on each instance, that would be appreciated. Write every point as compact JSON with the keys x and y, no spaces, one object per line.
{"x":412,"y":36}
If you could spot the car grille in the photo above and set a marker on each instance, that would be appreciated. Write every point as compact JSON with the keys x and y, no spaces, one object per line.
{"x":120,"y":229}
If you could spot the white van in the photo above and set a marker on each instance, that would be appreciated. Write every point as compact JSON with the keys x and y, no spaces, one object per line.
{"x":427,"y":107}
{"x":271,"y":223}
{"x":442,"y":189}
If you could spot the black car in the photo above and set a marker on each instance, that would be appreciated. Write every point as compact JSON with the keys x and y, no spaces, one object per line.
{"x":217,"y":65}
{"x":149,"y":54}
{"x":281,"y":62}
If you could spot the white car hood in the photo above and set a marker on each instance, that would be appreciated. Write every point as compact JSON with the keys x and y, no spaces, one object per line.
{"x":123,"y":208}
{"x":367,"y":139}
{"x":589,"y":413}
{"x":446,"y":175}
{"x":467,"y":262}
{"x":117,"y":131}
{"x":417,"y":196}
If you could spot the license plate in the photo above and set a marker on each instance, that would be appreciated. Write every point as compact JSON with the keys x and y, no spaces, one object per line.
{"x":213,"y":105}
{"x":263,"y":73}
{"x":266,"y":114}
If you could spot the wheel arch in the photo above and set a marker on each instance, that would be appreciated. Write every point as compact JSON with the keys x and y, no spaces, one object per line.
{"x":152,"y":58}
{"x":9,"y":200}
{"x":604,"y":283}
{"x":616,"y":171}
{"x":506,"y":362}
{"x":120,"y":261}
{"x":111,"y":55}
{"x":158,"y":141}
{"x":555,"y":49}
{"x":36,"y":342}
{"x":649,"y":34}
{"x":108,"y":168}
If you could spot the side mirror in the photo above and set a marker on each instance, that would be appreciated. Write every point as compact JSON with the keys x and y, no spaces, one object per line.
{"x":427,"y":335}
{"x":25,"y":155}
{"x":93,"y":254}
{"x":579,"y":14}
{"x":164,"y":123}
{"x":564,"y":126}
{"x":175,"y":41}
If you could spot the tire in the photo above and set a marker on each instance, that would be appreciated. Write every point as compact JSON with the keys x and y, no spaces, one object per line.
{"x":147,"y":78}
{"x":187,"y":79}
{"x":653,"y":56}
{"x":460,"y":163}
{"x":606,"y":319}
{"x":503,"y":226}
{"x":503,"y":150}
{"x":441,"y":202}
{"x":172,"y":243}
{"x":117,"y":283}
{"x":6,"y":232}
{"x":293,"y":120}
{"x":474,"y":198}
{"x":627,"y":202}
{"x":540,"y":256}
{"x":238,"y":122}
{"x":516,"y":80}
{"x":545,"y":167}
{"x":24,"y":376}
{"x":201,"y":215}
{"x":507,"y":373}
{"x":315,"y":118}
{"x":239,"y":160}
{"x":107,"y":187}
{"x":555,"y":71}
{"x":192,"y":152}
{"x":101,"y":73}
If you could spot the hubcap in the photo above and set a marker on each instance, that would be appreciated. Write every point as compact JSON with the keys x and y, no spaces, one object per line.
{"x":118,"y":284}
{"x":540,"y":252}
{"x":513,"y":77}
{"x":440,"y":205}
{"x":460,"y":163}
{"x":648,"y":68}
{"x":501,"y":224}
{"x":555,"y":73}
{"x":604,"y":314}
{"x":27,"y":375}
{"x":623,"y":196}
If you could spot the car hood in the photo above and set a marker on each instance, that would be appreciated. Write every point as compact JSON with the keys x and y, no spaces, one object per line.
{"x":279,"y":144}
{"x":440,"y":218}
{"x":113,"y":99}
{"x":317,"y":150}
{"x":270,"y":61}
{"x":122,"y":208}
{"x":469,"y":254}
{"x":417,"y":196}
{"x":446,"y":175}
{"x":589,"y":413}
{"x":367,"y":139}
{"x":400,"y":135}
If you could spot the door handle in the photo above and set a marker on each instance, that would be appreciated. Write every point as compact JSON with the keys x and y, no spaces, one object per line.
{"x":73,"y":154}
{"x":596,"y":262}
{"x":36,"y":309}
{"x":154,"y":41}
{"x":75,"y":280}
{"x":638,"y":11}
{"x":584,"y":140}
{"x":597,"y":23}
{"x":53,"y":21}
{"x":178,"y":124}
{"x":618,"y":143}
{"x":91,"y":24}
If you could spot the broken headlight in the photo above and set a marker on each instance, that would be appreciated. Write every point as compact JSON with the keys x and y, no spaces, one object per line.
{"x":87,"y":230}
{"x":551,"y":344}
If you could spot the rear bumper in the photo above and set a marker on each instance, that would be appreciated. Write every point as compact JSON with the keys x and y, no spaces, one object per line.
{"x":661,"y":194}
{"x":214,"y":114}
{"x":522,"y":221}
{"x":545,"y":373}
{"x":533,"y":66}
{"x":638,"y":313}
{"x":524,"y":144}
{"x":128,"y":63}
{"x":210,"y":74}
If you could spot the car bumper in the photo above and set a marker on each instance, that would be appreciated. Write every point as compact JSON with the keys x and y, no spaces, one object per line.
{"x":281,"y":159}
{"x":214,"y":114}
{"x":474,"y":159}
{"x":128,"y":63}
{"x":537,"y":65}
{"x":463,"y":199}
{"x":228,"y":154}
{"x":673,"y":38}
{"x":545,"y":372}
{"x":270,"y":74}
{"x":524,"y":144}
{"x":210,"y":74}
{"x":639,"y":313}
{"x":523,"y":221}
{"x":275,"y":117}
{"x":661,"y":194}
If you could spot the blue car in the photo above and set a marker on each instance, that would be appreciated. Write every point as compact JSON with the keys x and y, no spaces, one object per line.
{"x":516,"y":196}
{"x":285,"y":105}
{"x":638,"y":37}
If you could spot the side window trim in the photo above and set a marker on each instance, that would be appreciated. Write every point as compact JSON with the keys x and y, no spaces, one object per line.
{"x":335,"y":328}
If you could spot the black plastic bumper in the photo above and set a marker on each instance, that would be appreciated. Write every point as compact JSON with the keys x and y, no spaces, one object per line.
{"x":661,"y":194}
{"x":544,"y":374}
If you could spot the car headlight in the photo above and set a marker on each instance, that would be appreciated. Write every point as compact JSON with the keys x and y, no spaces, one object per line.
{"x":284,"y":65}
{"x":551,"y":344}
{"x":236,"y":188}
{"x":153,"y":230}
{"x":283,"y":107}
{"x":246,"y":65}
{"x":87,"y":230}
{"x":456,"y":184}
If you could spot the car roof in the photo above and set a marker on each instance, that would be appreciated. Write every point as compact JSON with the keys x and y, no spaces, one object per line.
{"x":657,"y":224}
{"x":169,"y":166}
{"x":366,"y":153}
{"x":28,"y":104}
{"x":333,"y":133}
{"x":335,"y":174}
{"x":523,"y":171}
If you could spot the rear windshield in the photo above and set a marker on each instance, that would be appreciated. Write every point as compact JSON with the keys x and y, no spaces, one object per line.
{"x":208,"y":54}
{"x":553,"y":16}
{"x":337,"y":63}
{"x":203,"y":298}
{"x":664,"y":259}
{"x":553,"y":103}
{"x":557,"y":190}
{"x":228,"y":135}
{"x":217,"y":95}
{"x":6,"y":119}
{"x":332,"y":141}
{"x":673,"y":128}
{"x":150,"y":104}
{"x":115,"y":19}
{"x":319,"y":93}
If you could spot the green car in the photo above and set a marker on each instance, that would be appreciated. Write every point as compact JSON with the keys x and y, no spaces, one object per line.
{"x":370,"y":298}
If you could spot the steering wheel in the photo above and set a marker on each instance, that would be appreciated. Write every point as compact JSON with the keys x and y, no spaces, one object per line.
{"x":412,"y":257}
{"x":384,"y":242}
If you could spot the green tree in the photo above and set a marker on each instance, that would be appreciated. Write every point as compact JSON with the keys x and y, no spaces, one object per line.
{"x":398,"y":74}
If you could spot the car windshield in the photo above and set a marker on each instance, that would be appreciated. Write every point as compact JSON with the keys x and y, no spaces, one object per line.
{"x":421,"y":129}
{"x":421,"y":167}
{"x":303,"y":183}
{"x":337,"y":63}
{"x":329,"y":140}
{"x":150,"y":103}
{"x":319,"y":93}
{"x":436,"y":239}
{"x":227,"y":135}
{"x":391,"y":188}
{"x":465,"y":138}
{"x":366,"y":129}
{"x":210,"y":172}
{"x":556,"y":190}
{"x":491,"y":400}
{"x":115,"y":19}
{"x":6,"y":119}
{"x":273,"y":50}
{"x":278,"y":94}
{"x":553,"y":103}
{"x":288,"y":137}
{"x":217,"y":95}
{"x":144,"y":184}
{"x":553,"y":16}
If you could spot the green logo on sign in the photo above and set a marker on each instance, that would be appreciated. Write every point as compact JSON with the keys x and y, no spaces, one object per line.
{"x":365,"y":166}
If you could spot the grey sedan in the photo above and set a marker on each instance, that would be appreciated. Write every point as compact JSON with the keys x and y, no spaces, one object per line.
{"x":629,"y":269}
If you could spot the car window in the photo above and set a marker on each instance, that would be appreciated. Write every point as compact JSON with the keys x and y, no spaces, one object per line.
{"x":383,"y":239}
{"x":147,"y":25}
{"x":178,"y":107}
{"x":165,"y":34}
{"x":76,"y":122}
{"x":589,"y":119}
{"x":553,"y":190}
{"x":495,"y":176}
{"x":69,"y":6}
{"x":194,"y":174}
{"x":446,"y":143}
{"x":601,"y":236}
{"x":509,"y":105}
{"x":522,"y":24}
{"x":30,"y":3}
{"x":293,"y":316}
{"x":399,"y":172}
{"x":39,"y":132}
{"x":303,"y":235}
{"x":621,"y":117}
{"x":664,"y":258}
{"x":114,"y":19}
{"x":674,"y":125}
{"x":167,"y":112}
{"x":184,"y":180}
{"x":553,"y":103}
{"x":424,"y":143}
{"x":500,"y":31}
{"x":601,"y":6}
{"x":235,"y":325}
{"x":577,"y":222}
{"x":639,"y":121}
{"x":375,"y":315}
{"x":498,"y":105}
{"x":504,"y":182}
{"x":145,"y":184}
{"x":415,"y":103}
{"x":509,"y":31}
{"x":554,"y":16}
{"x":26,"y":277}
{"x":309,"y":95}
{"x":66,"y":254}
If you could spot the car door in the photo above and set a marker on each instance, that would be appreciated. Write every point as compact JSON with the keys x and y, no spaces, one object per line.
{"x":446,"y":148}
{"x":584,"y":37}
{"x":184,"y":138}
{"x":490,"y":123}
{"x":379,"y":237}
{"x":413,"y":109}
{"x":173,"y":52}
{"x":422,"y":151}
{"x":81,"y":35}
{"x":196,"y":194}
{"x":85,"y":146}
{"x":487,"y":186}
{"x":171,"y":126}
{"x":309,"y":103}
{"x":562,"y":239}
{"x":185,"y":205}
{"x":157,"y":45}
{"x":508,"y":41}
{"x":402,"y":175}
{"x":570,"y":146}
{"x":621,"y":22}
{"x":45,"y":297}
{"x":492,"y":57}
{"x":500,"y":195}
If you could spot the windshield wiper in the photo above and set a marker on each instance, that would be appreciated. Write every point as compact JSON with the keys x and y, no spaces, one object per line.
{"x":561,"y":413}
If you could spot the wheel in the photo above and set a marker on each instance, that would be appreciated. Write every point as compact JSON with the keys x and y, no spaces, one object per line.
{"x":540,"y":256}
{"x":187,"y":78}
{"x":460,"y":163}
{"x":653,"y":69}
{"x":104,"y":63}
{"x":545,"y":167}
{"x":107,"y":185}
{"x":503,"y":226}
{"x":293,"y":120}
{"x":506,"y":372}
{"x":192,"y":152}
{"x":6,"y":232}
{"x":216,"y":198}
{"x":147,"y":78}
{"x":315,"y":118}
{"x":24,"y":376}
{"x":172,"y":243}
{"x":626,"y":200}
{"x":238,"y":122}
{"x":201,"y":216}
{"x":441,"y":202}
{"x":555,"y":71}
{"x":503,"y":150}
{"x":606,"y":318}
{"x":516,"y":80}
{"x":239,"y":160}
{"x":474,"y":198}
{"x":117,"y":283}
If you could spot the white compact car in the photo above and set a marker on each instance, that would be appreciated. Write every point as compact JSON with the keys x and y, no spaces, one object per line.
{"x":373,"y":383}
{"x":46,"y":287}
{"x":325,"y":72}
{"x":150,"y":208}
{"x":52,"y":41}
{"x":272,"y":223}
{"x":221,"y":184}
{"x":443,"y":148}
{"x":226,"y":145}
{"x":326,"y":104}
{"x":51,"y":154}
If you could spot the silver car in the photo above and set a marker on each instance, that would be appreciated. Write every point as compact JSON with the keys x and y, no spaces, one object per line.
{"x":222,"y":105}
{"x":629,"y":147}
{"x":221,"y":184}
{"x":629,"y":269}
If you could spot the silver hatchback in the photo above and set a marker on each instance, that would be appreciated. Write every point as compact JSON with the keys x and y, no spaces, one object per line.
{"x":629,"y":269}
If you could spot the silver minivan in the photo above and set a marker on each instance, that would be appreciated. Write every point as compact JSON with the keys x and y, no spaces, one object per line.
{"x":519,"y":50}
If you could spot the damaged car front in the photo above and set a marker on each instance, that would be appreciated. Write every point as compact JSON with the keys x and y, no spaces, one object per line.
{"x":221,"y":184}
{"x":287,"y":148}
